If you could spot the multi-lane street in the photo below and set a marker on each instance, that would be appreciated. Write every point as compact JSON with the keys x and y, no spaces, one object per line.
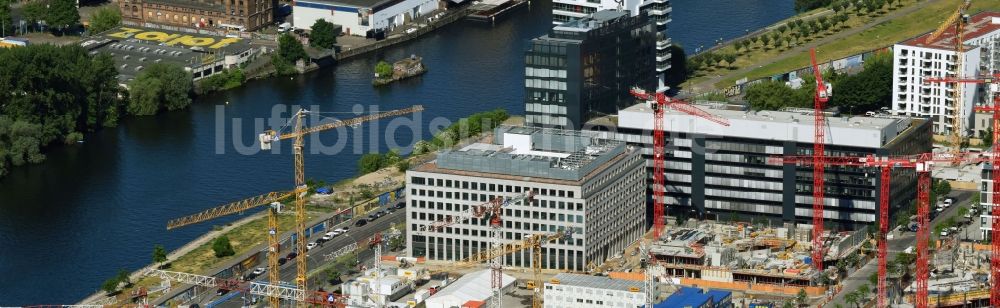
{"x":315,"y":257}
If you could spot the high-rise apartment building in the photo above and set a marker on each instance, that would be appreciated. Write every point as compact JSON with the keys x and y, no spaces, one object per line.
{"x":920,"y":58}
{"x":722,"y":172}
{"x":658,"y":10}
{"x":581,"y":184}
{"x":584,"y":68}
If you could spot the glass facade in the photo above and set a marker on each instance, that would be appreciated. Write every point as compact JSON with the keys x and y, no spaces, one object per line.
{"x":584,"y":68}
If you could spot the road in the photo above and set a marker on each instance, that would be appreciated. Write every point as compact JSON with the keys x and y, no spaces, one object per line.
{"x":315,"y":256}
{"x":897,"y":245}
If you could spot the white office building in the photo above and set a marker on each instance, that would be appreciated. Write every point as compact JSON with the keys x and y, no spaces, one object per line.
{"x":567,"y":290}
{"x":358,"y":16}
{"x":590,"y":186}
{"x":658,"y":10}
{"x":985,"y":206}
{"x":722,"y":172}
{"x":918,"y":58}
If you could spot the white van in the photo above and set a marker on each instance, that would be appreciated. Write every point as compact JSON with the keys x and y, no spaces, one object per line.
{"x":284,"y":27}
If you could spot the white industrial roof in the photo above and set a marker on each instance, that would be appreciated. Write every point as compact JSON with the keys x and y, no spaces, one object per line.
{"x":472,"y":286}
{"x":597,"y":282}
{"x":868,"y":132}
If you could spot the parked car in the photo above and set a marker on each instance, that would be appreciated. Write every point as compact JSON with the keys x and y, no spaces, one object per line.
{"x":291,"y":255}
{"x":281,"y":261}
{"x":411,"y":30}
{"x":361,"y":222}
{"x":260,"y":270}
{"x":341,"y":230}
{"x":329,"y":235}
{"x":221,"y":292}
{"x":400,"y":205}
{"x":310,"y":246}
{"x":944,"y":233}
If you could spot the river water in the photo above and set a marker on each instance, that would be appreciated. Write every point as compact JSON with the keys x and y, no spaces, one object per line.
{"x":89,"y":210}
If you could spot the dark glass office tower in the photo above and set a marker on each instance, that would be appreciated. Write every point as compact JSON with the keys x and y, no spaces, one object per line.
{"x":584,"y":68}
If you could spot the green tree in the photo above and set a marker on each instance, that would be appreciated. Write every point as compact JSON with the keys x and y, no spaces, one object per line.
{"x":6,"y":21}
{"x":403,"y":165}
{"x":370,"y":162}
{"x":774,"y":95}
{"x":801,"y":297}
{"x":851,"y":298}
{"x":70,"y":91}
{"x":782,"y":28}
{"x":873,"y":278}
{"x":806,"y":5}
{"x":62,"y":14}
{"x":35,"y":11}
{"x":987,"y":136}
{"x":679,"y":70}
{"x":122,"y":277}
{"x":864,"y":290}
{"x":942,"y":188}
{"x":765,"y":40}
{"x":869,"y":90}
{"x":730,"y":59}
{"x":788,"y":304}
{"x":290,"y":49}
{"x":159,"y":254}
{"x":110,"y":285}
{"x":222,"y":247}
{"x":160,"y":86}
{"x":322,"y":35}
{"x":104,"y":19}
{"x":383,"y":69}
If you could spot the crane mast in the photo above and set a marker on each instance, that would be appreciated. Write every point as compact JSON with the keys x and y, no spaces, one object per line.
{"x":819,"y":153}
{"x":659,"y":103}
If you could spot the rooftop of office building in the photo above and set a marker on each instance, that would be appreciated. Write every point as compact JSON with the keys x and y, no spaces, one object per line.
{"x":596,"y":282}
{"x":533,"y":154}
{"x":978,"y":25}
{"x":792,"y":125}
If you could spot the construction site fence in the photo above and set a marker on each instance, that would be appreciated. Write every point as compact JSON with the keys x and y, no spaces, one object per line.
{"x":755,"y":287}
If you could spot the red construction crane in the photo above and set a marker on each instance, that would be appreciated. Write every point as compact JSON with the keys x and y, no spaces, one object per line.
{"x":995,"y":233}
{"x":660,"y":102}
{"x":819,"y":153}
{"x":922,"y":163}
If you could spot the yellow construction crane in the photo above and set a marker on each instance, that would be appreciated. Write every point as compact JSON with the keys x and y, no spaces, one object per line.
{"x":299,"y":130}
{"x":957,"y":22}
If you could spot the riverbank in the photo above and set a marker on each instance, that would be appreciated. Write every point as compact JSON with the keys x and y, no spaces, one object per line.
{"x":246,"y":235}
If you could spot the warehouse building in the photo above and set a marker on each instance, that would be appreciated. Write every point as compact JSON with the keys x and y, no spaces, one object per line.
{"x":567,"y":290}
{"x":358,"y":16}
{"x":585,"y":185}
{"x":919,"y":58}
{"x":472,"y":287}
{"x":134,"y":49}
{"x":232,"y":15}
{"x":722,"y":172}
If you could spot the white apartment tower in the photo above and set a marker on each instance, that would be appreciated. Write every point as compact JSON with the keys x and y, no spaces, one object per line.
{"x":658,"y":10}
{"x":920,"y":58}
{"x":589,"y":186}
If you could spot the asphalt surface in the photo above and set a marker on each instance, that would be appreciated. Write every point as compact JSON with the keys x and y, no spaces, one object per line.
{"x":897,"y":245}
{"x":315,"y":257}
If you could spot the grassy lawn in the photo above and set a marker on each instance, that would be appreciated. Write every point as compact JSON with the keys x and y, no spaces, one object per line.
{"x":882,"y":35}
{"x":757,"y":52}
